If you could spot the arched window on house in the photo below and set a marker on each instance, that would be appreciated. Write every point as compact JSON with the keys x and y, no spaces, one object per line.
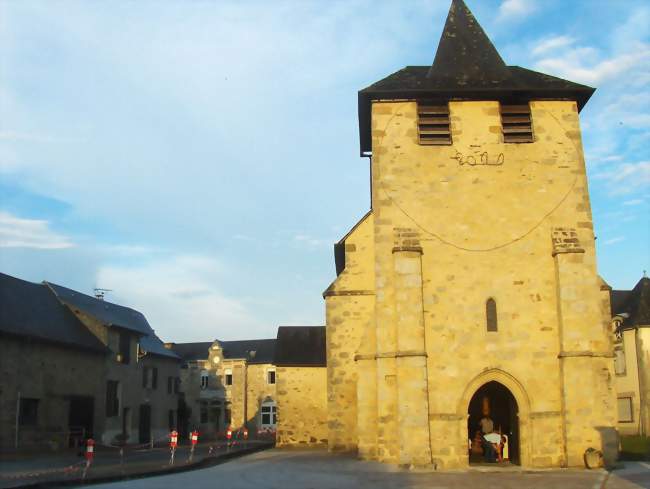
{"x":491,"y":314}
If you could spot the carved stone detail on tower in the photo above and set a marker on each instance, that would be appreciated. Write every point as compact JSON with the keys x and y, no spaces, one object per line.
{"x":565,"y":240}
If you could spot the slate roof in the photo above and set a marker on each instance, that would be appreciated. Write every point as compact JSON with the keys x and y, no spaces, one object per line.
{"x":114,"y":315}
{"x":635,"y":303}
{"x":467,"y":66}
{"x":301,"y":346}
{"x":31,"y":310}
{"x":192,"y":351}
{"x":264,"y":350}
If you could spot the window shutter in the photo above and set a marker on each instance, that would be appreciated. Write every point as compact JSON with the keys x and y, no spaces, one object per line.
{"x":517,"y":123}
{"x":154,"y":381}
{"x":433,"y":124}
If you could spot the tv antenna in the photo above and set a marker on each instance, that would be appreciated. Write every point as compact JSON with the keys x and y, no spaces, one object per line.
{"x":100,"y":293}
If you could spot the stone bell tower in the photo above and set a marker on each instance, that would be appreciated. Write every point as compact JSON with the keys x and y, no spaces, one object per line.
{"x":474,"y":273}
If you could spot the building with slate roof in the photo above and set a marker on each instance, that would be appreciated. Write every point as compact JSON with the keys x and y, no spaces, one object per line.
{"x":227,"y":383}
{"x":51,"y":370}
{"x":470,"y":287}
{"x":301,"y":362}
{"x":71,"y":361}
{"x":630,"y":310}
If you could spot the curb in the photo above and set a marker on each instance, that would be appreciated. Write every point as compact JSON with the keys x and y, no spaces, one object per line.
{"x":210,"y":461}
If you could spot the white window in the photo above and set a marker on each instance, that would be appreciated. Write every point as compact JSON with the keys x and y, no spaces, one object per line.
{"x":204,"y":379}
{"x":619,"y":360}
{"x":270,"y":376}
{"x":625,"y":410}
{"x":268,"y":414}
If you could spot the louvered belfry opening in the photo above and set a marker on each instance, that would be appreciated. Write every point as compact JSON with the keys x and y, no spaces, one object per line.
{"x":517,"y":123}
{"x":433,"y":123}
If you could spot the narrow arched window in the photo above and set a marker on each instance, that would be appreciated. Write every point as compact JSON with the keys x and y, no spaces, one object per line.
{"x":491,"y":314}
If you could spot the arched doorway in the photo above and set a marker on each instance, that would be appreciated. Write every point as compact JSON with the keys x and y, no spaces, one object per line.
{"x":495,"y":400}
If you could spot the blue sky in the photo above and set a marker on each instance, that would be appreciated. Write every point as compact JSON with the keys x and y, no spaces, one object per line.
{"x":200,"y":158}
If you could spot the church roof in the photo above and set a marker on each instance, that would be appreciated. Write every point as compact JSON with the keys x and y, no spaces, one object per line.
{"x":634,"y":305}
{"x":466,"y":66}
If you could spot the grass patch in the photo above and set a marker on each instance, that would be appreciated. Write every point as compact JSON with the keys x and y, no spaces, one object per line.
{"x":635,"y":447}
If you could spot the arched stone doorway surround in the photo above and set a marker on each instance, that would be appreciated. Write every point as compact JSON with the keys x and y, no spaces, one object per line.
{"x":518,"y":392}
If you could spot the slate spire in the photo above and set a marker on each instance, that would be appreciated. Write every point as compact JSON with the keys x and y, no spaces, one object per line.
{"x":465,"y":53}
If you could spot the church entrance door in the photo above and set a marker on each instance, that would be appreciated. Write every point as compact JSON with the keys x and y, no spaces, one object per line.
{"x":493,"y":409}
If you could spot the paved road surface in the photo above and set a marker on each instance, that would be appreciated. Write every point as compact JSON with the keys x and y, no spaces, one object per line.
{"x":309,"y":469}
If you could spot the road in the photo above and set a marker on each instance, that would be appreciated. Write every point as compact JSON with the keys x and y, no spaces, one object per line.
{"x":310,"y":469}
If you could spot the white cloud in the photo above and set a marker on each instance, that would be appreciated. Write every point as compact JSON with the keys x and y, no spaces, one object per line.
{"x":310,"y":240}
{"x":617,"y":239}
{"x":515,"y":9}
{"x":581,"y":64}
{"x":551,"y":44}
{"x":626,"y":178}
{"x":182,"y":298}
{"x":16,"y":232}
{"x":633,"y":202}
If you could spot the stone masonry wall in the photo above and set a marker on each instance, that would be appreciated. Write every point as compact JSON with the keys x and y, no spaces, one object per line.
{"x":485,"y":214}
{"x":51,"y":374}
{"x":302,"y":406}
{"x":349,"y":313}
{"x":258,"y":390}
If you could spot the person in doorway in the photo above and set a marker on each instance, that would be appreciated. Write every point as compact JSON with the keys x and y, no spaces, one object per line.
{"x":487,"y":428}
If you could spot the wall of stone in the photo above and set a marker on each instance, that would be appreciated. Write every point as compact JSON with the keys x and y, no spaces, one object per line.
{"x":132,"y":392}
{"x":302,"y":406}
{"x":485,"y":215}
{"x":349,"y":313}
{"x":51,"y":374}
{"x":236,"y":393}
{"x":627,"y":384}
{"x":258,"y":390}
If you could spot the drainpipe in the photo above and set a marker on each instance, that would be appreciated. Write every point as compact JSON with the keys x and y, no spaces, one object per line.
{"x":17,"y":420}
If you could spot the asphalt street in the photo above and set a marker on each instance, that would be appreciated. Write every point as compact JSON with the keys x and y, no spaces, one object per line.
{"x":310,"y":469}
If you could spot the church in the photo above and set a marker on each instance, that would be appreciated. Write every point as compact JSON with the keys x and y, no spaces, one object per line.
{"x":470,"y":288}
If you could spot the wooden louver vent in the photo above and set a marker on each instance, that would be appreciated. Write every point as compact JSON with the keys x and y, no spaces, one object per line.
{"x":517,"y":124}
{"x":433,"y":124}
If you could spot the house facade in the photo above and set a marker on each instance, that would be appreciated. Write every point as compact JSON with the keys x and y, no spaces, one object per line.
{"x":74,"y":365}
{"x":630,"y":311}
{"x":228,"y":383}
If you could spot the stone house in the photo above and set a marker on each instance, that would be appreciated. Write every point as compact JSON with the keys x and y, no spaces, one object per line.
{"x":228,"y":383}
{"x":471,"y":284}
{"x":121,"y":387}
{"x":630,"y":311}
{"x":300,"y":360}
{"x":51,"y":370}
{"x":140,"y":405}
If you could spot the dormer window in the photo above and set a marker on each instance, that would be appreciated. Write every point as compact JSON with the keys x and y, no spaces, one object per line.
{"x":517,"y":123}
{"x":433,"y":124}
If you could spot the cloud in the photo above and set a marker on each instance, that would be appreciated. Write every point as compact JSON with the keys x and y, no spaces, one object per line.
{"x":627,"y":177}
{"x":617,"y":239}
{"x":633,"y":202}
{"x":515,"y":9}
{"x":311,"y":241}
{"x":551,"y":44}
{"x":581,"y":64}
{"x":182,"y":298}
{"x":16,"y":232}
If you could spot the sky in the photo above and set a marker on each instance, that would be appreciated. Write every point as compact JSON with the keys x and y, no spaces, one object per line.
{"x":200,"y":158}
